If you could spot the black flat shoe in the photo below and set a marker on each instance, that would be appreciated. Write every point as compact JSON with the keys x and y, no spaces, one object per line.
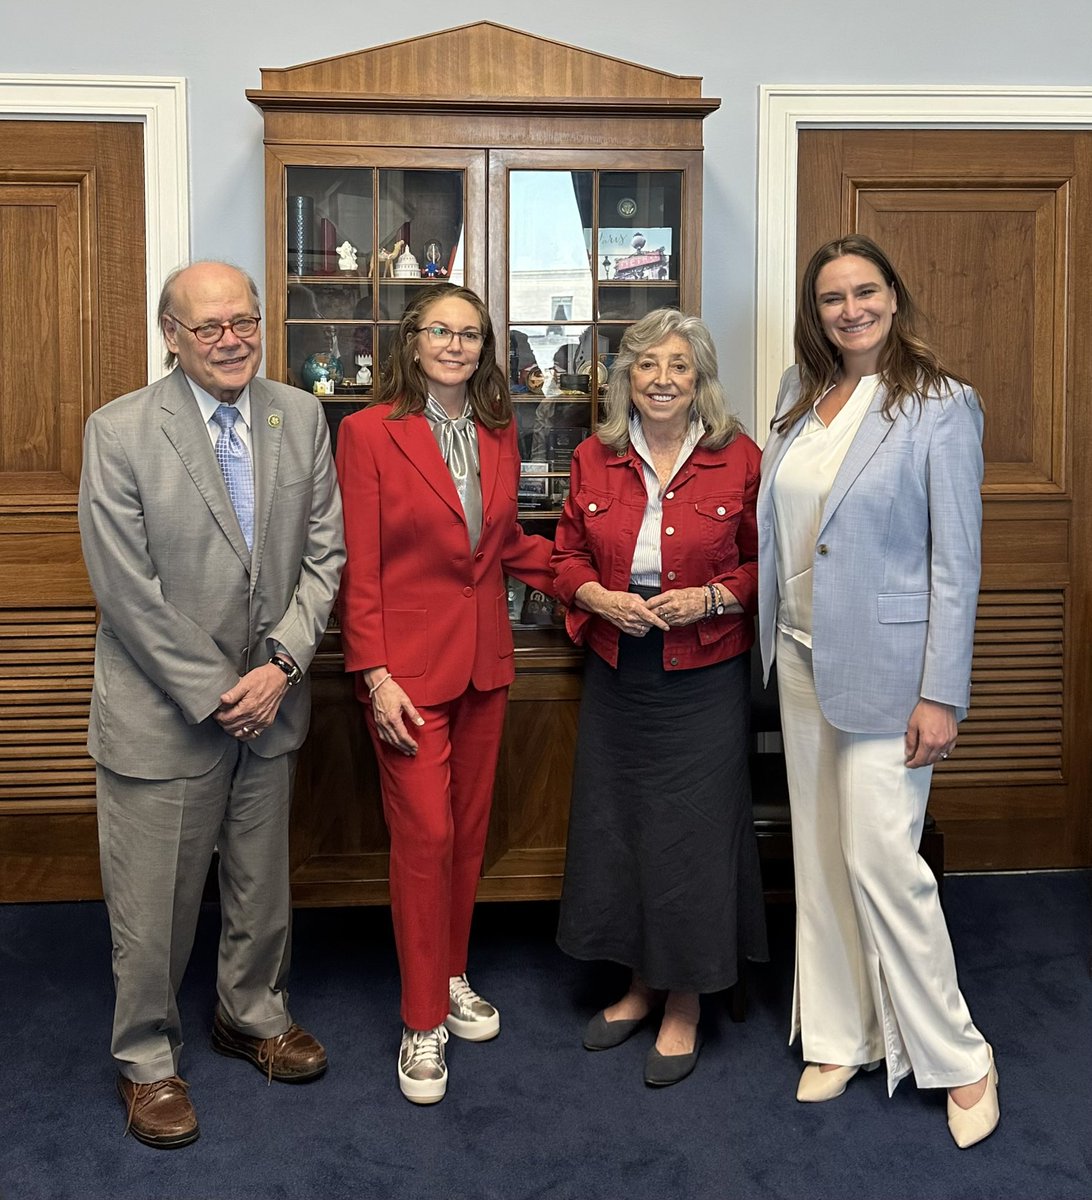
{"x":662,"y":1070}
{"x":602,"y":1034}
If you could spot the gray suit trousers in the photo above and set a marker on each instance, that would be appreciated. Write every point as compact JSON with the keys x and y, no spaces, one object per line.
{"x":156,"y":840}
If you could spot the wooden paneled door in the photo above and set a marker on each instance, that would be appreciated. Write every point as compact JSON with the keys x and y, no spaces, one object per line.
{"x":72,"y":336}
{"x":993,"y":233}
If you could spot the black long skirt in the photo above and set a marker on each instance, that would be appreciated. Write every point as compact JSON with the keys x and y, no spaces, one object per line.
{"x":661,"y":873}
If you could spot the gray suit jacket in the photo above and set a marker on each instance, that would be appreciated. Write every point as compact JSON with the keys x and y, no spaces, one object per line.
{"x":897,"y":561}
{"x":186,"y":609}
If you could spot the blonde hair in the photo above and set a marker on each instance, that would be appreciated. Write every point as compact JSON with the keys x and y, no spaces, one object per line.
{"x":710,"y":402}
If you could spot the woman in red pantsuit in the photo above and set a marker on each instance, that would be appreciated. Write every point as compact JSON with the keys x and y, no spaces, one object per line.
{"x":429,"y":476}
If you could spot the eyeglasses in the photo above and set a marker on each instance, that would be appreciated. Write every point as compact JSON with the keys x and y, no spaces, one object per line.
{"x":440,"y":335}
{"x":212,"y":331}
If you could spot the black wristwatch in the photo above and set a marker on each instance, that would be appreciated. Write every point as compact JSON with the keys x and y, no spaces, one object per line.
{"x":291,"y":671}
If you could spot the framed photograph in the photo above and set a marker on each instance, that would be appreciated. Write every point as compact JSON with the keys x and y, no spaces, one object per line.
{"x":632,"y":255}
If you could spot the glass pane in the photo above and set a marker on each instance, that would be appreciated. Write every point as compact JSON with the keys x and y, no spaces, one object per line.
{"x":420,"y":225}
{"x":631,"y":301}
{"x":339,"y":355}
{"x":549,"y":223}
{"x":338,"y":301}
{"x":639,"y":217}
{"x":551,"y":359}
{"x":329,"y":221}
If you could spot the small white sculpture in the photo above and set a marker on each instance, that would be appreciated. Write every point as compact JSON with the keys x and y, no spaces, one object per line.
{"x":364,"y":375}
{"x":406,"y":265}
{"x":346,"y":256}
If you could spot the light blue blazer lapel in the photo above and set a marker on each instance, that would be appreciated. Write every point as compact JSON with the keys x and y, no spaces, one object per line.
{"x":266,"y":435}
{"x":189,"y":435}
{"x":873,"y":429}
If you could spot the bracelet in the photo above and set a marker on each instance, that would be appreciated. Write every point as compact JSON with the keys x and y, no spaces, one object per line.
{"x":378,"y":684}
{"x":710,"y":601}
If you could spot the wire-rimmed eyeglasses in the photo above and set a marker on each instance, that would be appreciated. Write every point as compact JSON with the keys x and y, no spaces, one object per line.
{"x":440,"y":335}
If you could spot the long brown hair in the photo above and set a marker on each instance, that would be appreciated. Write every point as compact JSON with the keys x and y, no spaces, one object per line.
{"x":403,"y":383}
{"x":909,"y":367}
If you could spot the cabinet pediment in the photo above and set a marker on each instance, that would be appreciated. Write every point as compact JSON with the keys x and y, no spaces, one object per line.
{"x":479,"y":64}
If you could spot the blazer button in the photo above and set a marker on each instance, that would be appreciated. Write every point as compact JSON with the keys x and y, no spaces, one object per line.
{"x":669,"y":495}
{"x":468,"y":591}
{"x":669,"y":530}
{"x":674,"y":662}
{"x":479,"y":556}
{"x":593,"y":507}
{"x":823,"y":548}
{"x":720,"y":510}
{"x":671,"y":574}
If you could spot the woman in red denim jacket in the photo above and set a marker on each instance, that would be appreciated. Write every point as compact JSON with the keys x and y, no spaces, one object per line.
{"x":656,"y":557}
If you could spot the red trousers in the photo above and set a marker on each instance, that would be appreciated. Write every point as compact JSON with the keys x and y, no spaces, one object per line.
{"x":436,"y":806}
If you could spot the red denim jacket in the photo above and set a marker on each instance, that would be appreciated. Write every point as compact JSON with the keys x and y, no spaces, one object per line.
{"x":709,"y":534}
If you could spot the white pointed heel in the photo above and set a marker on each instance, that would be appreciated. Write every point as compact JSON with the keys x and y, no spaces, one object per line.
{"x":971,"y":1125}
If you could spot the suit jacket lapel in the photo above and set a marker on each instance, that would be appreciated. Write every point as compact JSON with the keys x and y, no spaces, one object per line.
{"x":266,"y":432}
{"x":188,"y":434}
{"x":873,"y":429}
{"x":413,"y":436}
{"x":489,"y":464}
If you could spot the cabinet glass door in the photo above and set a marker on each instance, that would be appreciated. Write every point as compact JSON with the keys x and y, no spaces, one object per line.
{"x":589,"y":253}
{"x":361,"y":243}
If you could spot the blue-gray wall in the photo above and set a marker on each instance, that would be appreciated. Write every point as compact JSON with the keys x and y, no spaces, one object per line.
{"x":735,"y":47}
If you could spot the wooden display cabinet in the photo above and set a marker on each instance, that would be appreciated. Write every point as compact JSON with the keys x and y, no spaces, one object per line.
{"x":565,"y":188}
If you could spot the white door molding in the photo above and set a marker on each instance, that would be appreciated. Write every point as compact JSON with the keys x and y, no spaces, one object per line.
{"x":785,"y":109}
{"x":159,"y":103}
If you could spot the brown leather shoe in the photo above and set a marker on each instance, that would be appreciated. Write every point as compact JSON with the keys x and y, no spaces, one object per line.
{"x":290,"y":1057}
{"x":159,"y":1114}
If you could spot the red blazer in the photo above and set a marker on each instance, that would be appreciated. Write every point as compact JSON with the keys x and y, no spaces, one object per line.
{"x":413,"y":596}
{"x":709,"y":534}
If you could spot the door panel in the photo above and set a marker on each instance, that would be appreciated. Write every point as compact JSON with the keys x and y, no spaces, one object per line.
{"x":72,"y":336}
{"x":991,"y":231}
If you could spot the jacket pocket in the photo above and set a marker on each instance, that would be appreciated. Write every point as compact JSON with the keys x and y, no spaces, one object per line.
{"x":594,"y":505}
{"x":506,"y":645}
{"x":895,"y":607}
{"x":718,"y":519}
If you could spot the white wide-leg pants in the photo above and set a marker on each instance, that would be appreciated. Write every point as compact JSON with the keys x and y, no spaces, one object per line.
{"x":875,"y":972}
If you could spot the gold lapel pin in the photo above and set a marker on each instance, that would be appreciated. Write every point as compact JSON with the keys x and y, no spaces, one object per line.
{"x":274,"y":420}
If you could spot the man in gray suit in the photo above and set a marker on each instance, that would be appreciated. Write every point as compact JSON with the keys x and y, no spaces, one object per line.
{"x":211,"y":527}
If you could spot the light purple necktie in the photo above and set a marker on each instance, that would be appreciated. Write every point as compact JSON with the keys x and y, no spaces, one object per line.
{"x":234,"y":462}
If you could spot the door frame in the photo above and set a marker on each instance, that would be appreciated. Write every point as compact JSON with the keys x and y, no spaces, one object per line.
{"x":785,"y":109}
{"x":157,"y":102}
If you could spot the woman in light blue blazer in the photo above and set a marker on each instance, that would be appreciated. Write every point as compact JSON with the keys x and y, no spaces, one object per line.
{"x":869,"y":518}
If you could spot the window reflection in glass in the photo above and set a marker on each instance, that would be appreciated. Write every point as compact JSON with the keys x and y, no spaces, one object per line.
{"x":549,"y":226}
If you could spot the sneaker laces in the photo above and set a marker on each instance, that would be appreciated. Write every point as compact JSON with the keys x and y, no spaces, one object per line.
{"x":426,"y":1044}
{"x":462,"y":994}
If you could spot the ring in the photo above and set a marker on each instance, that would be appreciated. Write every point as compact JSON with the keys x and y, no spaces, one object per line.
{"x":247,"y":729}
{"x":944,"y":754}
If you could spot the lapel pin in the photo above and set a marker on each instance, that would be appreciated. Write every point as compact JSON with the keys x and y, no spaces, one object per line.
{"x":274,"y":420}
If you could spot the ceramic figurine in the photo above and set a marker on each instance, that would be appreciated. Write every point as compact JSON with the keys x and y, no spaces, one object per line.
{"x":346,"y":256}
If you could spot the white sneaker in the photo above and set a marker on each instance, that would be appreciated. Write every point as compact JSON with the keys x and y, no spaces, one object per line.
{"x":422,"y":1072}
{"x":469,"y":1016}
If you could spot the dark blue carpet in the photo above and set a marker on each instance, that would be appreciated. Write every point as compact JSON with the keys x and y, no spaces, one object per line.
{"x":532,"y":1114}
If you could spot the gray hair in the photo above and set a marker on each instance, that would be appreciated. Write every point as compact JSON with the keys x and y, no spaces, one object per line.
{"x":710,"y":402}
{"x":166,"y":297}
